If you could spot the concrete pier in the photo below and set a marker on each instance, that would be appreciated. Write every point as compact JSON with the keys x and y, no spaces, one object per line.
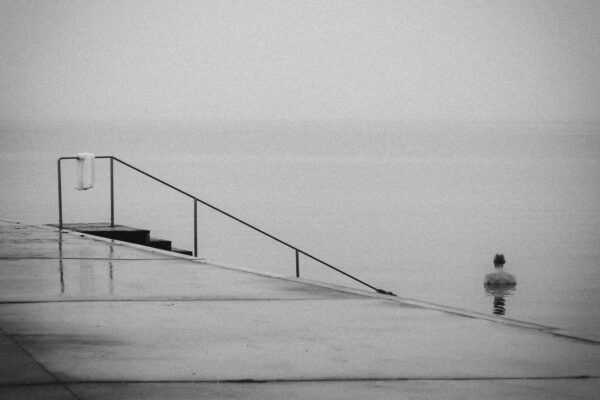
{"x":93,"y":318}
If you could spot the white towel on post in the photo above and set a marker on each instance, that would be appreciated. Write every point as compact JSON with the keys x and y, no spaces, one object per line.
{"x":85,"y":171}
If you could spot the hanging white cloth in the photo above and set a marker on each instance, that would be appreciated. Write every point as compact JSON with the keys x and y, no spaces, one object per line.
{"x":86,"y":175}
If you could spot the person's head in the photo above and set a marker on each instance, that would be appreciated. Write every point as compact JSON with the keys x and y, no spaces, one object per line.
{"x":499,"y":260}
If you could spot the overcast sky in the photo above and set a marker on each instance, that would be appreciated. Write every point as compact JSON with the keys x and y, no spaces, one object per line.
{"x":197,"y":60}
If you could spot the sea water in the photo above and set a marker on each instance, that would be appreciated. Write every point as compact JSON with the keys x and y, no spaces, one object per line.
{"x":419,"y":209}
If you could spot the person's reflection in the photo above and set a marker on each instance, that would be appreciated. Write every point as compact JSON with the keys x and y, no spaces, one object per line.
{"x":499,"y":293}
{"x":499,"y":306}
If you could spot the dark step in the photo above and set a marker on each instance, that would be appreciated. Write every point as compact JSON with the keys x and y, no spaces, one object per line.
{"x":182,"y":251}
{"x":124,"y":233}
{"x":117,"y":232}
{"x":160,"y":243}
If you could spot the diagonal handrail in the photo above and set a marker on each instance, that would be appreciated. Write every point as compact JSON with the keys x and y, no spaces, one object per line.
{"x":196,"y":201}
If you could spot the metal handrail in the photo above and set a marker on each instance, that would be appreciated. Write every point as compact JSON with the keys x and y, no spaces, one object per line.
{"x":196,"y":201}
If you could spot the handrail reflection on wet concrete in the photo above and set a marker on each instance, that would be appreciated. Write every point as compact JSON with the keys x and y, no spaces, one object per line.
{"x":297,"y":251}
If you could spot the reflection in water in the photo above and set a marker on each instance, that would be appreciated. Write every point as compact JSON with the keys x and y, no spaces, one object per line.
{"x":87,"y":269}
{"x":110,"y":268}
{"x":499,"y":306}
{"x":499,"y":292}
{"x":85,"y":277}
{"x":61,"y":267}
{"x":110,"y":276}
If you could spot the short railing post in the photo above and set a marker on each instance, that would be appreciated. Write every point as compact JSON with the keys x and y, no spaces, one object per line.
{"x":112,"y":194}
{"x":195,"y":228}
{"x":297,"y":263}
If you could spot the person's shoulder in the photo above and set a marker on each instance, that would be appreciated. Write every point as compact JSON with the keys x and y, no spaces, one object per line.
{"x":499,"y":278}
{"x":489,"y":278}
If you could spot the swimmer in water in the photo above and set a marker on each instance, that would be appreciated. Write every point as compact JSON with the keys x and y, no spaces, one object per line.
{"x":499,"y":277}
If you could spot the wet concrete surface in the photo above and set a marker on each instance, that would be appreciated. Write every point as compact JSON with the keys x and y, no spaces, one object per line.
{"x":105,"y":324}
{"x":27,"y":280}
{"x":373,"y":390}
{"x":281,"y":340}
{"x":17,"y":367}
{"x":45,"y":242}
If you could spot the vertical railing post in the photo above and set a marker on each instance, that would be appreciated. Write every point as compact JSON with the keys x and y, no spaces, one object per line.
{"x":60,"y":216}
{"x":112,"y":194}
{"x":297,"y":263}
{"x":195,"y":228}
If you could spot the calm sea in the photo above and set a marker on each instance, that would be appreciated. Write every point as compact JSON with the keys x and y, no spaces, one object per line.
{"x":418,"y":209}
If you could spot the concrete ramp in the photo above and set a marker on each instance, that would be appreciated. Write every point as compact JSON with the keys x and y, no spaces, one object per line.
{"x":85,"y":318}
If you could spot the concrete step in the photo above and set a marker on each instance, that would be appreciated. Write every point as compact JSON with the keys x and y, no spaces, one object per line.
{"x":124,"y":233}
{"x":182,"y":251}
{"x":117,"y":232}
{"x":162,"y":244}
